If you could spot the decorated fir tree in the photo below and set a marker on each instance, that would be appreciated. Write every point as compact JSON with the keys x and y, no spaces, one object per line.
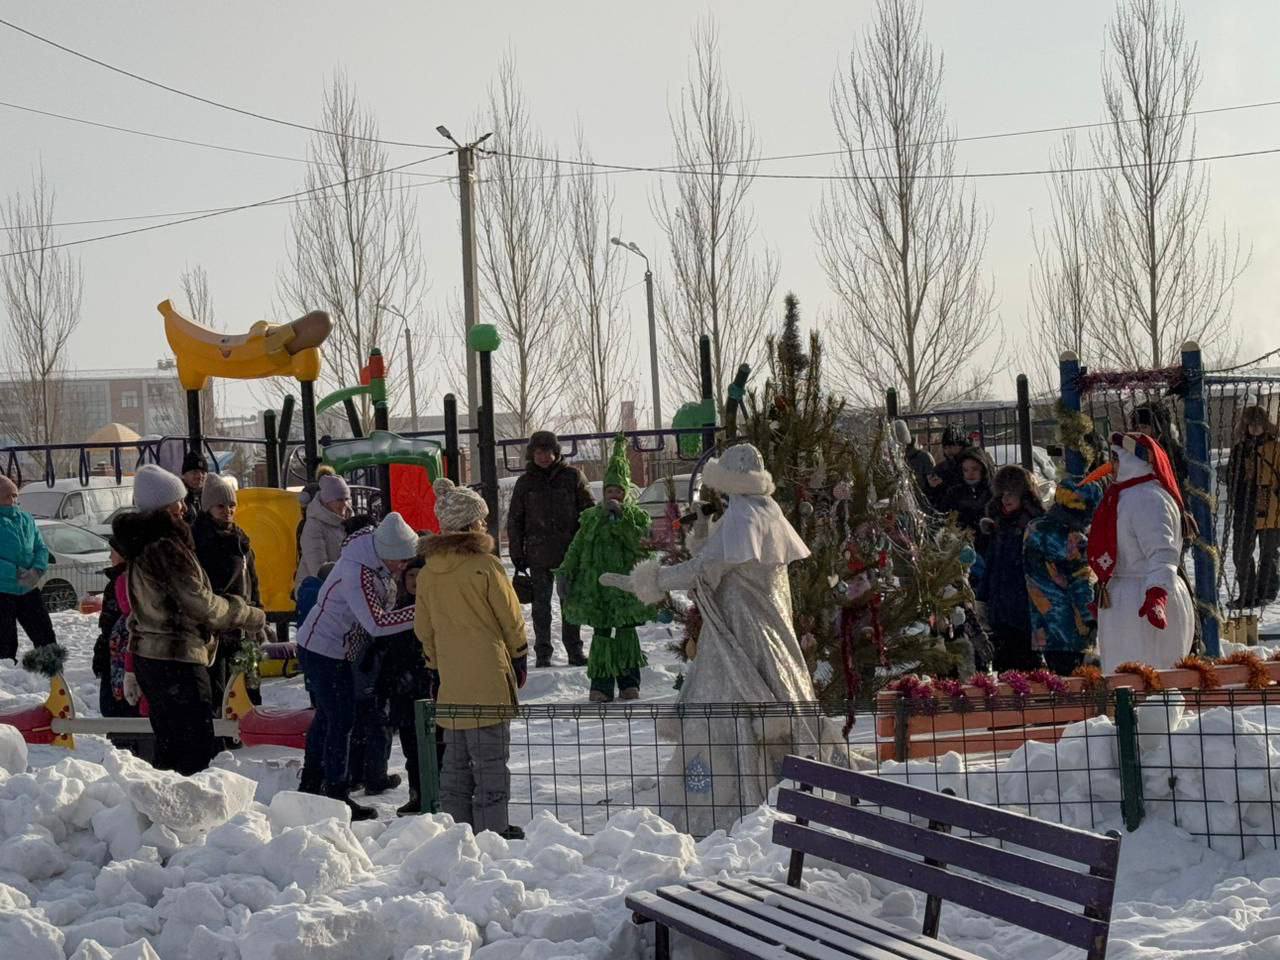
{"x":877,"y":595}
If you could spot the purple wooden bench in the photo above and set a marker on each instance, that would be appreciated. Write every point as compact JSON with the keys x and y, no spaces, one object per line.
{"x":1051,"y":879}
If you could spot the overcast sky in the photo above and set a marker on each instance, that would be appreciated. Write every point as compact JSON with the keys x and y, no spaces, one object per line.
{"x":1010,"y":65}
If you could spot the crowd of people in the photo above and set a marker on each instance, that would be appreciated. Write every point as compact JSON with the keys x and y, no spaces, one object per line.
{"x":388,"y":616}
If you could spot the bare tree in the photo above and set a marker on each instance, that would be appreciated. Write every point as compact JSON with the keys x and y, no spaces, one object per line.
{"x":195,"y":288}
{"x":718,"y":286}
{"x":900,"y":235}
{"x":1066,"y":294}
{"x":522,"y":264}
{"x":594,"y":299}
{"x":1165,"y":280}
{"x":41,"y":294}
{"x":355,"y":249}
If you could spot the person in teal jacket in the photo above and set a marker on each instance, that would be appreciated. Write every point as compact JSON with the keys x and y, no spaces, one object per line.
{"x":23,"y":560}
{"x":610,"y":539}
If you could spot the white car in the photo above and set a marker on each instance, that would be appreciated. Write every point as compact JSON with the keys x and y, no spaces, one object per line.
{"x":85,"y":505}
{"x":77,"y":561}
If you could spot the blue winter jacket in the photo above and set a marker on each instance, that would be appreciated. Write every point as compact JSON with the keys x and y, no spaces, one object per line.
{"x":21,"y":548}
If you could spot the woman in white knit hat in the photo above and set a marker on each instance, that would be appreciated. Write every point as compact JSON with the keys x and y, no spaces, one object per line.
{"x":747,"y":649}
{"x":359,"y":592}
{"x":175,"y":621}
{"x":472,"y":631}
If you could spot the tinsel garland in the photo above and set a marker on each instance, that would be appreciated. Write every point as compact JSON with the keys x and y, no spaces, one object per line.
{"x":47,"y":660}
{"x":1091,"y":677}
{"x":987,"y":684}
{"x":1145,"y":671}
{"x":1050,"y":681}
{"x":1074,"y":429}
{"x":1019,"y":682}
{"x":247,"y":660}
{"x":1170,"y":378}
{"x":1259,"y":677}
{"x":1209,"y":679}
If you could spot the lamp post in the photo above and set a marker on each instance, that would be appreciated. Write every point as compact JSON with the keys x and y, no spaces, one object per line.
{"x":653,"y":331}
{"x":408,"y":363}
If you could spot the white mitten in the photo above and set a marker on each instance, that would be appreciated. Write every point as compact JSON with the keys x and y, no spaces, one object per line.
{"x":619,"y":581}
{"x":132,"y":691}
{"x":28,"y":577}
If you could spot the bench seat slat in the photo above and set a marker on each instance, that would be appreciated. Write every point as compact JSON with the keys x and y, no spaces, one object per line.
{"x":955,"y":851}
{"x":1029,"y":914}
{"x":824,"y":912}
{"x":866,"y":944}
{"x":693,"y":923}
{"x":1069,"y":843}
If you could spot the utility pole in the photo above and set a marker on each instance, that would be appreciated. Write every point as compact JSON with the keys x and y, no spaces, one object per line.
{"x":653,"y":329}
{"x":470,"y":281}
{"x":413,"y":379}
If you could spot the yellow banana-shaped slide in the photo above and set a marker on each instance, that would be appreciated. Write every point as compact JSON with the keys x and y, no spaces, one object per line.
{"x":267,"y":350}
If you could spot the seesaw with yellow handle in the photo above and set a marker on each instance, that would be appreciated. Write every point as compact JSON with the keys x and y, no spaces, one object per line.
{"x":267,"y":350}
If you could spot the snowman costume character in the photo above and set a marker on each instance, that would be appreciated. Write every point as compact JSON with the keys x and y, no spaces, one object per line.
{"x":747,"y":652}
{"x":1145,"y":612}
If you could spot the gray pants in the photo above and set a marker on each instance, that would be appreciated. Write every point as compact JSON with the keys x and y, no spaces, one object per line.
{"x":475,"y":783}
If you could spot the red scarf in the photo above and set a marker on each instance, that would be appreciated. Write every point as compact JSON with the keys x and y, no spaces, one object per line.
{"x":1102,"y":534}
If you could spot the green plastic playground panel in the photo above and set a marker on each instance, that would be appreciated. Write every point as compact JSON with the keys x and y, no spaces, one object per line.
{"x":376,"y":391}
{"x":701,"y":413}
{"x":381,"y":448}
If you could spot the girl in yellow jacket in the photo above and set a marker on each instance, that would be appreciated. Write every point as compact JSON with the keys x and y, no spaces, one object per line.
{"x":473,"y":635}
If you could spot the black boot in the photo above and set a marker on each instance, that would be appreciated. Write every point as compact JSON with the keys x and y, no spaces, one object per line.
{"x":341,"y":791}
{"x":389,"y":782}
{"x":413,"y":807}
{"x":577,"y":658}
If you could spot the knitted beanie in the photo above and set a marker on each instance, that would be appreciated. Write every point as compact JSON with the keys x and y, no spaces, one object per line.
{"x":394,"y":539}
{"x":155,"y":488}
{"x":216,"y":492}
{"x":195,"y":461}
{"x":457,"y":508}
{"x":333,"y":489}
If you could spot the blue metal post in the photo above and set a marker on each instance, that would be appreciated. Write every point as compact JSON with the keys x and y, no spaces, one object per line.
{"x":1197,"y":429}
{"x":1068,"y":376}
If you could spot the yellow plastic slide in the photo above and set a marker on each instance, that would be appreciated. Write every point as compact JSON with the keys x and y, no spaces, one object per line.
{"x":270,"y":517}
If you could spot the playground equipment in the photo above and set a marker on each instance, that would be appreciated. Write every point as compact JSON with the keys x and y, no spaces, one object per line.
{"x":267,"y":350}
{"x":413,"y":463}
{"x":270,"y":518}
{"x":36,"y":724}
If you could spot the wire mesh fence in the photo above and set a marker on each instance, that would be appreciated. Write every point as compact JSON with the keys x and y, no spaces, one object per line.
{"x":1207,"y":761}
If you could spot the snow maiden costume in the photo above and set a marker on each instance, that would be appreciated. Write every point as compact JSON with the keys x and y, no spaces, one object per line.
{"x":747,"y":652}
{"x":1145,"y":612}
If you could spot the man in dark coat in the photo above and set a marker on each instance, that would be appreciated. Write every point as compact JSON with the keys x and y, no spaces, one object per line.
{"x":541,"y":524}
{"x":920,"y":462}
{"x":194,"y":470}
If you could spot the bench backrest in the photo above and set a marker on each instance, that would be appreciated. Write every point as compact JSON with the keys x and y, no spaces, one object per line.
{"x":919,"y":856}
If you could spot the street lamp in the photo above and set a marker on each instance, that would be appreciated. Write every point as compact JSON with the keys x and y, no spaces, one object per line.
{"x":653,"y":332}
{"x":408,"y":351}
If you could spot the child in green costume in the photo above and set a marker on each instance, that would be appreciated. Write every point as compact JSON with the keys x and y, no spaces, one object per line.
{"x":609,"y":540}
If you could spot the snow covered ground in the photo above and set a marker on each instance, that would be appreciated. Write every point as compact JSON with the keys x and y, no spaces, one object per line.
{"x":101,"y":857}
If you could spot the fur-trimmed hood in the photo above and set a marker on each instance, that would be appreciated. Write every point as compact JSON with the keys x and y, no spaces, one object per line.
{"x":134,"y":532}
{"x":466,"y":543}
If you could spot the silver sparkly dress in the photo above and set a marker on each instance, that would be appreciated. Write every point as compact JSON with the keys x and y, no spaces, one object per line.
{"x":729,"y":747}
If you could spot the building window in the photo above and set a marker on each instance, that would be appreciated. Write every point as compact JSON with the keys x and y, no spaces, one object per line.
{"x":129,"y":399}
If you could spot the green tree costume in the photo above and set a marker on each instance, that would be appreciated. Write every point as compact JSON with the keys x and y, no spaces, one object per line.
{"x":608,"y":542}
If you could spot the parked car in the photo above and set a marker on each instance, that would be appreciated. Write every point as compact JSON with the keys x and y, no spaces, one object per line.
{"x":1044,"y":469}
{"x":77,"y":559}
{"x":653,"y":501}
{"x":89,"y":505}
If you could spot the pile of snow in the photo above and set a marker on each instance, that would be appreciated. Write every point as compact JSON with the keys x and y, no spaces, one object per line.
{"x":96,"y":857}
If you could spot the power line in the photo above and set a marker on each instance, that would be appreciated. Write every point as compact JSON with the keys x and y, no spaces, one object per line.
{"x":170,"y":139}
{"x":205,"y":100}
{"x":981,"y":175}
{"x":224,"y":210}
